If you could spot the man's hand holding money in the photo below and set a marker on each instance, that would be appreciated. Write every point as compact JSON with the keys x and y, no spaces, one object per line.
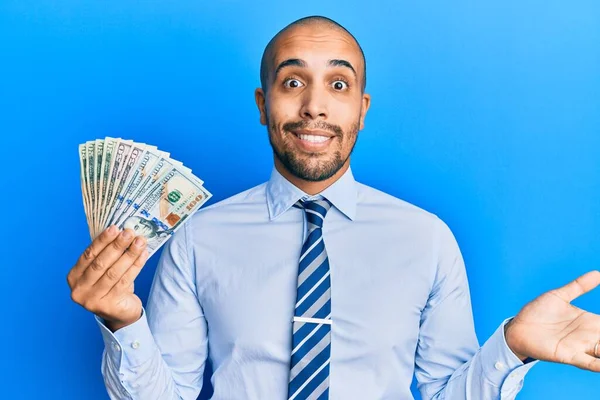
{"x":102,"y":280}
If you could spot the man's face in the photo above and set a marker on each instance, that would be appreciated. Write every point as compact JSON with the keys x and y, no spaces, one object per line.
{"x":314,"y":105}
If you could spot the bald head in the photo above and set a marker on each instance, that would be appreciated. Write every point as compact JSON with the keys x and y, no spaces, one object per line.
{"x":312,"y":22}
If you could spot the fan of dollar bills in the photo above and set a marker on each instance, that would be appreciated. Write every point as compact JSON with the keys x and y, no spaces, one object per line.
{"x":136,"y":186}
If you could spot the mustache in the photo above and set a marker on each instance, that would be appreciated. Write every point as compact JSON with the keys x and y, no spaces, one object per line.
{"x":319,"y":125}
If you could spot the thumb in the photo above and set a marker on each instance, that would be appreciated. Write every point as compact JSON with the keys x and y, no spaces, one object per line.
{"x":579,"y":286}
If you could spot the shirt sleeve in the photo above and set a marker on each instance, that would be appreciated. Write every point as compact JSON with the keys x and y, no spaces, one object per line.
{"x":450,"y":364}
{"x":163,"y":354}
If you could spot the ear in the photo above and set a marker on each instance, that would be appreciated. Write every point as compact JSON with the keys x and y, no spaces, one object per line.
{"x":259,"y":97}
{"x":366,"y":103}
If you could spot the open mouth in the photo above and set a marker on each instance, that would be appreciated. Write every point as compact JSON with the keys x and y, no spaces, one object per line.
{"x":312,"y":140}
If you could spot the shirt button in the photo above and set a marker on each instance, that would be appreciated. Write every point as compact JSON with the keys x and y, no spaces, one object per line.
{"x":116,"y":347}
{"x":500,"y":366}
{"x":135,"y":344}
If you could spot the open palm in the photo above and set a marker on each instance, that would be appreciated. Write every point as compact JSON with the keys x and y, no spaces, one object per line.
{"x":550,"y":328}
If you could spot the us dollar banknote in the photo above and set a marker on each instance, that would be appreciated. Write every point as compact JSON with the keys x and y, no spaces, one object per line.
{"x":137,"y":186}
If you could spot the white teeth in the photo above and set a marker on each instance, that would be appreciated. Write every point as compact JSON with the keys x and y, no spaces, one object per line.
{"x":313,"y":138}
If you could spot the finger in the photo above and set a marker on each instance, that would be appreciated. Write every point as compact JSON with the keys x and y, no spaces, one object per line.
{"x":125,"y":284}
{"x":587,"y":362}
{"x":579,"y":286}
{"x":93,"y":250}
{"x":107,"y":258}
{"x":116,"y":271}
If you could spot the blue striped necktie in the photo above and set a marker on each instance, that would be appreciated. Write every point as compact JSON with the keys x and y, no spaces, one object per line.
{"x":311,"y":340}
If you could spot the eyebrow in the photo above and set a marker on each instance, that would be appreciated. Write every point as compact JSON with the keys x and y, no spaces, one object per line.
{"x":296,"y":62}
{"x":341,"y":63}
{"x":291,"y":62}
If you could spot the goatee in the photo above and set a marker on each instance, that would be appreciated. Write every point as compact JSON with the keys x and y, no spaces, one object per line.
{"x":302,"y":168}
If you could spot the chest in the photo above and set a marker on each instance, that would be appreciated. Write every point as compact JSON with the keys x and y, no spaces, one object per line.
{"x":380,"y":282}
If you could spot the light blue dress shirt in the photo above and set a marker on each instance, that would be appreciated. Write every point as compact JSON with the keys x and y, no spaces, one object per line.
{"x":225,"y":288}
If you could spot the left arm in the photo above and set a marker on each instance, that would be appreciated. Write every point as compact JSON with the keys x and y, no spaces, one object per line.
{"x":450,"y":364}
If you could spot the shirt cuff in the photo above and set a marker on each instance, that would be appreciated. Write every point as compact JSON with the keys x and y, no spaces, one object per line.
{"x":501,"y":366}
{"x":129,"y":346}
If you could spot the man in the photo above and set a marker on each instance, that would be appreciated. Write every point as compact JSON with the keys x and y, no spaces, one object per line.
{"x":314,"y":286}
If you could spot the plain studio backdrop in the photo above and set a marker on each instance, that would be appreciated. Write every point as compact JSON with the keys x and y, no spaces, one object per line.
{"x":486,"y":114}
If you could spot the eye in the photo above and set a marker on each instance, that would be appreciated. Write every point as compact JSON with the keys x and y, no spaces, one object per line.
{"x":340,"y":85}
{"x":292,"y":83}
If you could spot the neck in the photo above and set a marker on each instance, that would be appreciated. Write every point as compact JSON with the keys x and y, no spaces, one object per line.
{"x":310,"y":187}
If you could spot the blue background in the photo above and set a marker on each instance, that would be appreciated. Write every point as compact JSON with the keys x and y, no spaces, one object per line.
{"x":487,"y":114}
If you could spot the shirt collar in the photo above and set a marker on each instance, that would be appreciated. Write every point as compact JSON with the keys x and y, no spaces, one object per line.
{"x":282,"y":194}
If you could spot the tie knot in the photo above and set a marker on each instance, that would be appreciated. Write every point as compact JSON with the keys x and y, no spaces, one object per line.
{"x":315,"y":210}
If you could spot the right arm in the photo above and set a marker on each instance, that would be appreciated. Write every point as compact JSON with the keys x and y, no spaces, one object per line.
{"x":160,"y":355}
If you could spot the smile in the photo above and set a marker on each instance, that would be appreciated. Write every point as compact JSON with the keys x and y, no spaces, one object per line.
{"x":314,"y":138}
{"x":312,"y":141}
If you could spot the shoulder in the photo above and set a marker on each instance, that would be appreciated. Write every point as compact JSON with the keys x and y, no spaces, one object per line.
{"x":391,"y":206}
{"x":211,"y":222}
{"x":400,"y":216}
{"x":250,"y":200}
{"x":252,"y":195}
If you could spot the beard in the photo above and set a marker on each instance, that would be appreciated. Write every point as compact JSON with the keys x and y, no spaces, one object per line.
{"x":304,"y":167}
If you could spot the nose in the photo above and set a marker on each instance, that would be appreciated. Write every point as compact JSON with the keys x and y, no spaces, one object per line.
{"x":314,"y":104}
